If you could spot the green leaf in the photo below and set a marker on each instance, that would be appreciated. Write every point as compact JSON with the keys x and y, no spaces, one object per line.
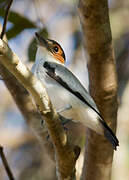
{"x":13,"y":32}
{"x":19,"y":21}
{"x":33,"y":45}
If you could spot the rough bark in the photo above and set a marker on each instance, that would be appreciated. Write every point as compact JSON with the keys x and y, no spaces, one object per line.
{"x":65,"y":166}
{"x":94,"y":17}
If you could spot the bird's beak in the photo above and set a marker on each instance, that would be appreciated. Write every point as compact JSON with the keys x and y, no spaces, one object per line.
{"x":42,"y":41}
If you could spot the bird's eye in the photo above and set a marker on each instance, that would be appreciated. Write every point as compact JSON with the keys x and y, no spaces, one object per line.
{"x":56,"y":48}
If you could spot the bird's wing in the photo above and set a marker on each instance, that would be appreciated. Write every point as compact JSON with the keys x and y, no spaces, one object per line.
{"x":68,"y":80}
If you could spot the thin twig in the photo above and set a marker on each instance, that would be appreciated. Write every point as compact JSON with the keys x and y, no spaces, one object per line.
{"x":6,"y":19}
{"x":5,"y":163}
{"x":3,"y":158}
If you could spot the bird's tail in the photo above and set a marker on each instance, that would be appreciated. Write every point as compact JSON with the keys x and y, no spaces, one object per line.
{"x":108,"y":133}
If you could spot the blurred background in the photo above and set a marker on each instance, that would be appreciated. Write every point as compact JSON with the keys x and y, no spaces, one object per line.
{"x":59,"y":20}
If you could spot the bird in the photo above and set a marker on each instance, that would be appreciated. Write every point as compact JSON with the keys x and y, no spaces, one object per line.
{"x":66,"y":92}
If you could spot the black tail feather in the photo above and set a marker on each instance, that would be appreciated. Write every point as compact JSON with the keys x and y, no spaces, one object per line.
{"x":108,"y":133}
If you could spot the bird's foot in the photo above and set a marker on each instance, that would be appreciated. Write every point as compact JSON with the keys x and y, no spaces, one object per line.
{"x":63,"y":119}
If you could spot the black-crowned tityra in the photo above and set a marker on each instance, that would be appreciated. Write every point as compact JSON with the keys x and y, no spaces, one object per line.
{"x":65,"y":90}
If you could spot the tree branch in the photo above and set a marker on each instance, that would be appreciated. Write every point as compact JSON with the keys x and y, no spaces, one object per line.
{"x":5,"y":163}
{"x":65,"y":166}
{"x":26,"y":106}
{"x":95,"y":23}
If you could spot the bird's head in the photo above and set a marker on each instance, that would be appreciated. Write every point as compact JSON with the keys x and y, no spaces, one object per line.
{"x":50,"y":49}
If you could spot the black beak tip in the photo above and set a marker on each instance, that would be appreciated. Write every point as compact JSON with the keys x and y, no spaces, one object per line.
{"x":36,"y":34}
{"x":40,"y":39}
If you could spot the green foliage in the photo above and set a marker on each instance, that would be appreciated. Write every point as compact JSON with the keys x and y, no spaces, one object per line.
{"x":33,"y":45}
{"x":19,"y":23}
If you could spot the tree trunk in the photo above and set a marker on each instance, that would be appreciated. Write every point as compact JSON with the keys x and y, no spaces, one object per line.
{"x":95,"y":23}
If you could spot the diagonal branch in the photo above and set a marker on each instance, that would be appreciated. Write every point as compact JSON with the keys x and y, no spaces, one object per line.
{"x":65,"y":166}
{"x":27,"y":108}
{"x":94,"y":17}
